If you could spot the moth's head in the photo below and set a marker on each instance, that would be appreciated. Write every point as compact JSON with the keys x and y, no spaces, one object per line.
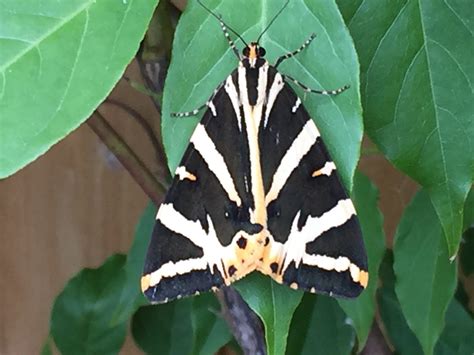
{"x":252,"y":53}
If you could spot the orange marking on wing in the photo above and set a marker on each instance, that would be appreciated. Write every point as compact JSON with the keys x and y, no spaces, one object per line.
{"x":363,"y":278}
{"x":145,"y":282}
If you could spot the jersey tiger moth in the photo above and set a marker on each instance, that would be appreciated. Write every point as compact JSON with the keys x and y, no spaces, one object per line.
{"x":255,"y":190}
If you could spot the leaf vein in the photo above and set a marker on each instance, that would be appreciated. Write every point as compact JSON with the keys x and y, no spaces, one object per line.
{"x":437,"y":120}
{"x":395,"y":114}
{"x":453,"y":58}
{"x":53,"y":29}
{"x":459,"y":17}
{"x":355,"y":13}
{"x":369,"y":67}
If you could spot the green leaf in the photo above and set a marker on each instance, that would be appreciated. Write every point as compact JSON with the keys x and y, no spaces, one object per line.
{"x":426,"y":280}
{"x":187,"y":326}
{"x":361,"y":310}
{"x":131,"y":297}
{"x":210,"y":332}
{"x":418,"y":100}
{"x":274,"y":304}
{"x":348,"y":8}
{"x":395,"y":324}
{"x":202,"y":60}
{"x":80,"y":319}
{"x":320,"y":327}
{"x":58,"y":61}
{"x":457,"y":335}
{"x":164,"y":329}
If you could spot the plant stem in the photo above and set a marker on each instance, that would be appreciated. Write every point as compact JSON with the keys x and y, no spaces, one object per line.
{"x":244,"y":324}
{"x":140,"y":173}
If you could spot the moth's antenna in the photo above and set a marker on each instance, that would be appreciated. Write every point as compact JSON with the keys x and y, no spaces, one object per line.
{"x":273,"y":20}
{"x":220,"y":20}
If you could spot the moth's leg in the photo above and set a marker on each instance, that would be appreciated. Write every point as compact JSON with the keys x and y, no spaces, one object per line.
{"x":321,"y":92}
{"x":188,"y":113}
{"x":291,"y":54}
{"x":231,"y":42}
{"x":194,"y":112}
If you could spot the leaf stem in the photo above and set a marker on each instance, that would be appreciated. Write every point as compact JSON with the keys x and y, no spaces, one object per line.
{"x":159,"y":151}
{"x":244,"y":324}
{"x":137,"y":169}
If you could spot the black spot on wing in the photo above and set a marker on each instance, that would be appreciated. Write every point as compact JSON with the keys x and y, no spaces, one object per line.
{"x":166,"y":245}
{"x":345,"y":240}
{"x":184,"y":285}
{"x":332,"y":283}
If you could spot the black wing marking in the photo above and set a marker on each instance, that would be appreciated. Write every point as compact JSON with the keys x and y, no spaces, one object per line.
{"x":201,"y":237}
{"x":316,"y":241}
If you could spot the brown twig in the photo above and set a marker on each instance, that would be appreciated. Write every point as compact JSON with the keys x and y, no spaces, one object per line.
{"x":243,"y":322}
{"x":159,"y":151}
{"x":376,"y":342}
{"x":140,"y":173}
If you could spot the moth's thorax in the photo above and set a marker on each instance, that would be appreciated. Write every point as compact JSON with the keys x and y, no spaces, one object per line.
{"x":253,"y":63}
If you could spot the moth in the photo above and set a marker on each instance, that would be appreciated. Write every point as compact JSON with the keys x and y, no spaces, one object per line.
{"x":256,"y":190}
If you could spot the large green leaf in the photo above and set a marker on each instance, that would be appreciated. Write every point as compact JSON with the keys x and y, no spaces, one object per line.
{"x":426,"y":279}
{"x":274,"y":304}
{"x":80,"y":319}
{"x":164,"y":329}
{"x":320,"y":327}
{"x":187,"y":326}
{"x":202,"y":59}
{"x":131,"y":297}
{"x":58,"y":61}
{"x":361,"y":310}
{"x":210,"y":332}
{"x":417,"y":86}
{"x":457,"y":337}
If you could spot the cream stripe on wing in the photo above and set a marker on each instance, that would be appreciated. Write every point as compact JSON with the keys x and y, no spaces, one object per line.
{"x":298,"y":149}
{"x":327,"y":169}
{"x":339,"y":264}
{"x":213,"y":251}
{"x":261,"y":94}
{"x":234,"y":99}
{"x":297,"y":104}
{"x":328,"y":263}
{"x":181,"y":267}
{"x":215,"y":161}
{"x":275,"y":89}
{"x":295,"y":246}
{"x":252,"y":116}
{"x":176,"y":222}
